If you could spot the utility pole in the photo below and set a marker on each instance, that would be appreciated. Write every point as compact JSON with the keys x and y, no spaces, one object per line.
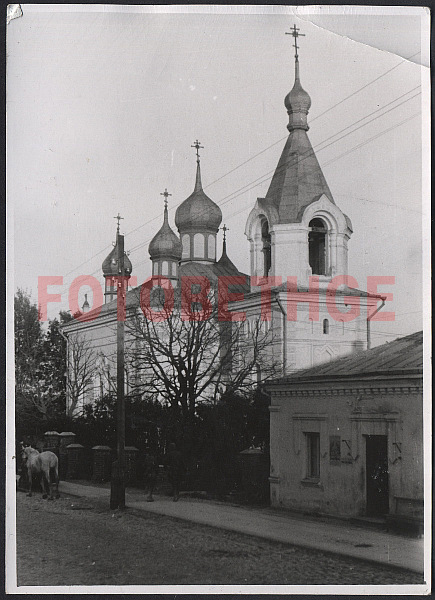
{"x":117,"y":492}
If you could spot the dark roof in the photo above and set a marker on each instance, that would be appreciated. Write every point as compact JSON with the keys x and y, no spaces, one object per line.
{"x":342,"y":291}
{"x":223,"y":267}
{"x":404,"y":356}
{"x":298,"y":180}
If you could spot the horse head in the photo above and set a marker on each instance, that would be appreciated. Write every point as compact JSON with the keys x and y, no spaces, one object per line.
{"x":26,"y":451}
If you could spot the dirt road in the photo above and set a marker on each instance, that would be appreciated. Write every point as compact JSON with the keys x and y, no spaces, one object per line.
{"x":72,"y":541}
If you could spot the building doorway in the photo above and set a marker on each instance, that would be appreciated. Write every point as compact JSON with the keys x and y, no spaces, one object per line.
{"x":377,"y":490}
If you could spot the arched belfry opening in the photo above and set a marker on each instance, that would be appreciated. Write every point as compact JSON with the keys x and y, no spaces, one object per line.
{"x":266,"y":247}
{"x":317,"y":246}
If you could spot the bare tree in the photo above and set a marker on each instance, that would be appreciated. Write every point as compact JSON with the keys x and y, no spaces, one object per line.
{"x":187,"y":353}
{"x":81,"y":371}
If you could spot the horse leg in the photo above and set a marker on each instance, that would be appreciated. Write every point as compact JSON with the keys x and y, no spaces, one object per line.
{"x":56,"y":480}
{"x":29,"y":477}
{"x":44,"y":484}
{"x":47,"y":476}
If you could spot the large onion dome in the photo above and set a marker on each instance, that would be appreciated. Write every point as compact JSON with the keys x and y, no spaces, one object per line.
{"x":165,"y":243}
{"x":198,"y":211}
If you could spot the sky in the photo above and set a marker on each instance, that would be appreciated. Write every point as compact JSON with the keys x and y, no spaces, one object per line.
{"x":104,"y":102}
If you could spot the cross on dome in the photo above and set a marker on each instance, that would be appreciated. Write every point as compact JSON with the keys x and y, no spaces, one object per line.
{"x":295,"y":33}
{"x":225,"y":229}
{"x":165,"y":194}
{"x":197,"y":145}
{"x":119,"y":218}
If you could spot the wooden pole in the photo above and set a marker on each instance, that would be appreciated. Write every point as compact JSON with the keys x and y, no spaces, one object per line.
{"x":117,"y":498}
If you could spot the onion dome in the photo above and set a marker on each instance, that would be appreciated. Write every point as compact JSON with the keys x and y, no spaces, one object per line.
{"x":297,"y":103}
{"x":165,"y":243}
{"x":110,"y":263}
{"x":198,"y":211}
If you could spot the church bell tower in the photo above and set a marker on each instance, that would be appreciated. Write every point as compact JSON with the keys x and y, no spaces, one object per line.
{"x":297,"y":229}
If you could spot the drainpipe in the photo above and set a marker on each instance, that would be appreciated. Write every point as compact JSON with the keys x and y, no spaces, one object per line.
{"x":284,"y":334}
{"x":368,"y":322}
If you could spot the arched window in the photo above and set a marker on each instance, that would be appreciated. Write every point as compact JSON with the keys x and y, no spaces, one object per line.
{"x":185,"y":240}
{"x":325,"y":326}
{"x":165,"y":268}
{"x":267,"y":247}
{"x":198,"y":245}
{"x":317,"y":246}
{"x":211,"y":247}
{"x":155,"y":268}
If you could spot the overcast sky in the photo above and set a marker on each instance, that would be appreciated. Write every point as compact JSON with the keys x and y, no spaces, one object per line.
{"x":103,"y":104}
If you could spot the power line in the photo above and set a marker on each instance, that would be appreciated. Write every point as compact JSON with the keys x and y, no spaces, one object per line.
{"x":316,"y":147}
{"x":366,"y":85}
{"x":258,"y":154}
{"x":257,"y":182}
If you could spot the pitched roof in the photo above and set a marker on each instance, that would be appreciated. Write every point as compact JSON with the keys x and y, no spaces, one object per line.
{"x":298,"y":179}
{"x":223,"y":267}
{"x":342,"y":291}
{"x":402,"y":356}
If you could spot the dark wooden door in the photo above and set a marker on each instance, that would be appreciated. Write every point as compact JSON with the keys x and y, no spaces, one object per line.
{"x":377,"y":475}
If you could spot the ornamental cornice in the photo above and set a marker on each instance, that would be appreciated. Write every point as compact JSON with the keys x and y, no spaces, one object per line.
{"x":367,"y":391}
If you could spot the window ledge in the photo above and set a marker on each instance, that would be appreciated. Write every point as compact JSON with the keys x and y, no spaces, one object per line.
{"x":311,"y":482}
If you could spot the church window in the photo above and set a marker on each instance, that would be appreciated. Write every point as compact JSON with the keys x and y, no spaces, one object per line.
{"x":165,"y":268}
{"x":317,"y":246}
{"x":185,"y":240}
{"x":155,"y":268}
{"x":267,"y":247}
{"x":313,"y":455}
{"x":198,"y":245}
{"x":211,"y":247}
{"x":325,"y":326}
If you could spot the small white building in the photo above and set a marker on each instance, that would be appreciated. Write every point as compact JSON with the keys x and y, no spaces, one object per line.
{"x":346,"y":437}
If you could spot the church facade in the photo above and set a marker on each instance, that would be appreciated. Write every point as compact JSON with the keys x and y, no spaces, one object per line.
{"x":298,"y":284}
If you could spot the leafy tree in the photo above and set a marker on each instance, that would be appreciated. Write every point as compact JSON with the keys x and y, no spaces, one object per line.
{"x":40,"y":366}
{"x":32,"y":399}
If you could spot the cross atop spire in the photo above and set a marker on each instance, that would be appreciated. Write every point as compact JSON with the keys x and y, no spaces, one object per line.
{"x":197,"y":145}
{"x":224,"y":245}
{"x":119,"y":218}
{"x":225,"y":229}
{"x":295,"y":33}
{"x":165,"y":194}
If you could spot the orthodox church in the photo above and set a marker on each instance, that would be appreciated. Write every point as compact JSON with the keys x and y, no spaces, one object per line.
{"x":298,"y":241}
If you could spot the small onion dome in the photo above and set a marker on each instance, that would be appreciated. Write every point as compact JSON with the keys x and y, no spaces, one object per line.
{"x":198,"y":211}
{"x":165,"y":243}
{"x":297,"y":103}
{"x":110,"y":264}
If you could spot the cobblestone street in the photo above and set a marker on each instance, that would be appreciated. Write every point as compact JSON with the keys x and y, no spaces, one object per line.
{"x":76,"y":541}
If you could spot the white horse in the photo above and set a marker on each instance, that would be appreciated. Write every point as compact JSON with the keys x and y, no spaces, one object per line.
{"x":44,"y":464}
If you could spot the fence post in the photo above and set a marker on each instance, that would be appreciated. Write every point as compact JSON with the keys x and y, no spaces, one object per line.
{"x":101,"y":463}
{"x":65,"y":439}
{"x":75,"y":461}
{"x":51,"y":441}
